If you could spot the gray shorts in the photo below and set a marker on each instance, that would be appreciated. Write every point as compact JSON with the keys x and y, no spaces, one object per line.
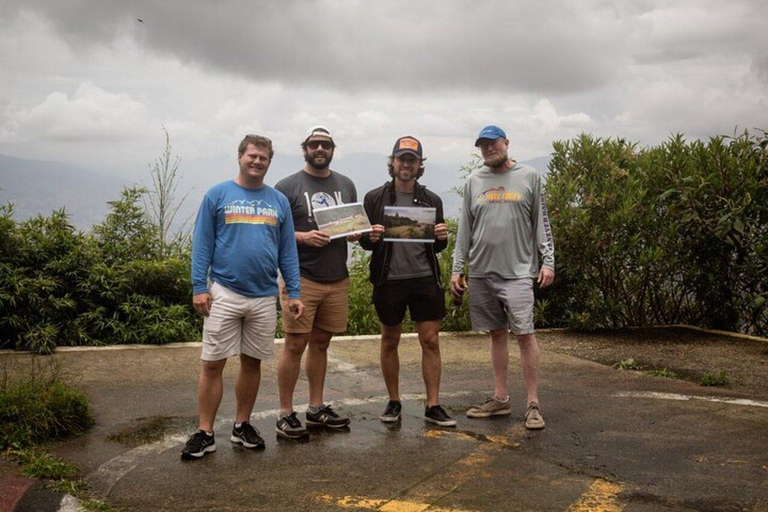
{"x":496,"y":303}
{"x":239,"y":325}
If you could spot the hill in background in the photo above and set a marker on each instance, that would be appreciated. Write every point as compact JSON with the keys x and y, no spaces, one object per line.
{"x":39,"y":187}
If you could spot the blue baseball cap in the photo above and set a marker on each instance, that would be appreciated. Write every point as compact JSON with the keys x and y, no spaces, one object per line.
{"x":490,"y":132}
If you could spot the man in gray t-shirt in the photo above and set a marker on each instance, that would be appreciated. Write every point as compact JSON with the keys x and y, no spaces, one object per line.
{"x":324,"y":284}
{"x":503,"y":226}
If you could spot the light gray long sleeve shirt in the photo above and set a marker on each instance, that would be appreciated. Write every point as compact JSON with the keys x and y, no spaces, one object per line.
{"x":503,"y":225}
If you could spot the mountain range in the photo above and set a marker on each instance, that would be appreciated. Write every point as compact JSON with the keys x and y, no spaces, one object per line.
{"x":37,"y":187}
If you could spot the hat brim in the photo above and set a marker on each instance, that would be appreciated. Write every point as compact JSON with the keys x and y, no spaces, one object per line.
{"x":406,"y":151}
{"x":477,"y":142}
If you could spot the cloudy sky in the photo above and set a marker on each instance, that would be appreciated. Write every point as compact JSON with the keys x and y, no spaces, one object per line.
{"x":84,"y":81}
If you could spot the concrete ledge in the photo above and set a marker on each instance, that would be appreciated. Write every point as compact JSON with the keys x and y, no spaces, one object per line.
{"x":376,"y":337}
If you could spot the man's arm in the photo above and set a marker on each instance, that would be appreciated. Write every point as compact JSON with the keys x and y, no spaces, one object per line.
{"x":464,"y":235}
{"x":288,"y":255}
{"x":441,"y":230}
{"x":203,"y":242}
{"x":543,"y":234}
{"x":370,"y":240}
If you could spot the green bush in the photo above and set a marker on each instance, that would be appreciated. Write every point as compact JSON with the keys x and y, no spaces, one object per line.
{"x":61,"y":287}
{"x":676,"y":233}
{"x":37,"y":406}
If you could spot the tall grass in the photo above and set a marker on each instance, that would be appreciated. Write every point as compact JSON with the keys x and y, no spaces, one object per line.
{"x":36,"y":405}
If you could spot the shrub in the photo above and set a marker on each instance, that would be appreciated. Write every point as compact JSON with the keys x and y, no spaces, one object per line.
{"x":676,"y":233}
{"x":36,"y":405}
{"x":714,"y":378}
{"x":61,"y":287}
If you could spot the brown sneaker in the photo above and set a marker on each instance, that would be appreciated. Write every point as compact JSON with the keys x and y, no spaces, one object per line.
{"x":533,"y":419}
{"x":491,"y":407}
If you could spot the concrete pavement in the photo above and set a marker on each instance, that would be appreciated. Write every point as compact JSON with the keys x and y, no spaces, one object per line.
{"x":614,"y":440}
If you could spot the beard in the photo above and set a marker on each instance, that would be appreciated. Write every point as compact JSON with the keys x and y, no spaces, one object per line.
{"x":319,"y":165}
{"x":497,"y":160}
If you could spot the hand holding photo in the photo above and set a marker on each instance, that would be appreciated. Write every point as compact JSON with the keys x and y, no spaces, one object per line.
{"x":409,"y":224}
{"x":342,"y":220}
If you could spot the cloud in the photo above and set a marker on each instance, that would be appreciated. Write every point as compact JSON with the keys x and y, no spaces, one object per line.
{"x":91,"y":114}
{"x":84,"y":81}
{"x":545,"y":119}
{"x":356,"y":45}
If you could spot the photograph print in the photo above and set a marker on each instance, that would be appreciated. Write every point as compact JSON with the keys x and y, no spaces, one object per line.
{"x":342,"y":220}
{"x":409,"y":224}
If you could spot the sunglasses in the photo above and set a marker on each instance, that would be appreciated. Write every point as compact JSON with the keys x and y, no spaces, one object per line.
{"x":326,"y":144}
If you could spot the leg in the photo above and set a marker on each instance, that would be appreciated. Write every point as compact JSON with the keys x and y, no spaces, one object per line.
{"x":247,"y":387}
{"x":390,"y":361}
{"x":288,"y":367}
{"x":317,"y":364}
{"x":500,"y":362}
{"x":209,"y":391}
{"x":430,"y":359}
{"x":529,"y":358}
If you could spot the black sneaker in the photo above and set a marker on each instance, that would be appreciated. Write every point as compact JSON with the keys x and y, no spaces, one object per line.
{"x":198,"y":445}
{"x":326,"y":417}
{"x":247,"y":435}
{"x":392,"y":412}
{"x":437,"y":415}
{"x":290,"y":427}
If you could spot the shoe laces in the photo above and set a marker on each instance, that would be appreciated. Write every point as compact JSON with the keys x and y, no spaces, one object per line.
{"x":330,"y":412}
{"x":246,"y":427}
{"x":438,"y":410}
{"x":199,"y":436}
{"x":292,"y":420}
{"x":393,"y":405}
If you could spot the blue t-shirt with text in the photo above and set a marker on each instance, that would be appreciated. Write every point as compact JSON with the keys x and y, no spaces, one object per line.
{"x":241,"y":238}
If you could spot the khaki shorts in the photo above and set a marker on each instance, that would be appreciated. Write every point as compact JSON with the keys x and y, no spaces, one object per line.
{"x":496,"y":303}
{"x":325,"y":307}
{"x":238,"y":325}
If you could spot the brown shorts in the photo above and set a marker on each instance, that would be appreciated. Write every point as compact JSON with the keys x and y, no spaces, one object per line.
{"x":325,"y":307}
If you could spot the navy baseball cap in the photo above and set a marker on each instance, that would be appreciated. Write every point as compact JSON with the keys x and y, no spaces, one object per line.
{"x":490,"y":132}
{"x":408,"y":144}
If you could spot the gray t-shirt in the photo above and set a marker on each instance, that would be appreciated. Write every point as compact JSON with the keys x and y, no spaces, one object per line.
{"x":503,"y":225}
{"x":305,"y":193}
{"x":409,"y":260}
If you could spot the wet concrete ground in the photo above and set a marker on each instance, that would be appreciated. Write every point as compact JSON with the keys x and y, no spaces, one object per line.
{"x":614,"y":440}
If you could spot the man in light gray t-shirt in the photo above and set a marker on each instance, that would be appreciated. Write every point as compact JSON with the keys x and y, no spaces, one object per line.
{"x":503,"y":226}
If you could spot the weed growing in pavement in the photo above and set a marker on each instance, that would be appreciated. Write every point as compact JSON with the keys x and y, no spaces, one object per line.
{"x":36,"y":463}
{"x":662,"y":372}
{"x":627,"y":364}
{"x":36,"y":405}
{"x":40,"y":464}
{"x":716,"y":378}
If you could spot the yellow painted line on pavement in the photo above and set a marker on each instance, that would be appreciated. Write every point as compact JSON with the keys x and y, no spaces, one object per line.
{"x":356,"y":502}
{"x":363,"y":503}
{"x":497,"y":440}
{"x":601,"y":496}
{"x":426,"y":493}
{"x":434,"y":434}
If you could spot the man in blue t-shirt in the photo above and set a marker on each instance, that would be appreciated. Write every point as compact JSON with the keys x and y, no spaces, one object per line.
{"x":243,"y":235}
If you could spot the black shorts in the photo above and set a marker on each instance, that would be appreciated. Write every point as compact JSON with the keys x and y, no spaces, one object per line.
{"x":421,"y":295}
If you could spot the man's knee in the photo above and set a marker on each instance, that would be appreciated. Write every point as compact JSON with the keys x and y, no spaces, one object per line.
{"x":526,"y":340}
{"x":320,"y":339}
{"x":430,"y":342}
{"x":250,"y":364}
{"x":212,"y":368}
{"x":295,"y":344}
{"x":389,"y":343}
{"x":499,"y":336}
